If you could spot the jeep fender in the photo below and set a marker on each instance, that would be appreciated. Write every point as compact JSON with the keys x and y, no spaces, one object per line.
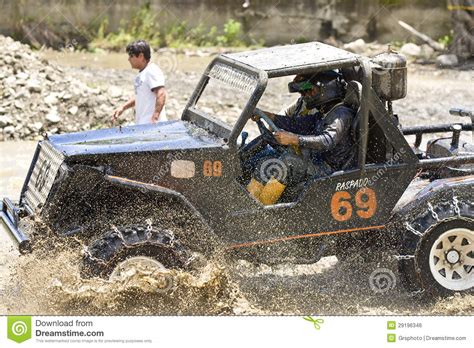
{"x":454,"y":188}
{"x":164,"y":192}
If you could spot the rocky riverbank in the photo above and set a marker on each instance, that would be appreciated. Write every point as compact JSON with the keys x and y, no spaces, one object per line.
{"x":40,"y":96}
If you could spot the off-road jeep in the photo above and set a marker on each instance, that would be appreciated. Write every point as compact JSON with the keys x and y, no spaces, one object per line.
{"x":168,"y":192}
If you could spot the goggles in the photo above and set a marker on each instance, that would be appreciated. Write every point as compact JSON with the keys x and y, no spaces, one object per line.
{"x":299,"y":87}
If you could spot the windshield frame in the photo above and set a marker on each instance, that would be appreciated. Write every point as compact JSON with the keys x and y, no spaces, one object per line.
{"x":214,"y":125}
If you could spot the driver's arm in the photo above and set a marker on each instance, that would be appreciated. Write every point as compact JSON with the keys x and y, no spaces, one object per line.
{"x":298,"y":125}
{"x":336,"y":129}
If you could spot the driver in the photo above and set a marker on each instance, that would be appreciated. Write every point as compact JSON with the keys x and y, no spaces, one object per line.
{"x":315,"y":132}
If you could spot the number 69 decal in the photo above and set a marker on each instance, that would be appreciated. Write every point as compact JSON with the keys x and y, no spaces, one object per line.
{"x":212,"y":168}
{"x":365,"y":202}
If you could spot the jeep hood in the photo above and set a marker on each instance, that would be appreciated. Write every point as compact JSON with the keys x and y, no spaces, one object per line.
{"x":170,"y":135}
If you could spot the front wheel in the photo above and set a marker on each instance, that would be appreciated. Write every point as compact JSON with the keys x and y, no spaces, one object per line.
{"x":153,"y":249}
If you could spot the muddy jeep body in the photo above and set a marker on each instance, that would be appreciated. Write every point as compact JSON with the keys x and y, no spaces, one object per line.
{"x":83,"y":183}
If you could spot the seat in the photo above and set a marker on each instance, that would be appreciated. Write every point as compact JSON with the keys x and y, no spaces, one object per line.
{"x":352,"y":99}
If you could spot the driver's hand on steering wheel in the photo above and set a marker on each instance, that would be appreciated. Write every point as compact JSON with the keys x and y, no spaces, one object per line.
{"x":269,"y":114}
{"x":286,"y":138}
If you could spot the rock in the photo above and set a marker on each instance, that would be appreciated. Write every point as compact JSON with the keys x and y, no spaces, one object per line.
{"x":36,"y":126}
{"x":19,"y":104}
{"x":114,"y":91}
{"x":66,"y":96}
{"x":427,"y":52}
{"x":33,"y":85}
{"x":358,"y":46}
{"x":447,"y":61}
{"x":53,"y":116}
{"x":73,"y":110}
{"x":51,"y":99}
{"x":102,"y":99}
{"x":411,"y":50}
{"x":9,"y":130}
{"x":22,"y":76}
{"x":5,"y":121}
{"x":22,"y":93}
{"x":10,"y":80}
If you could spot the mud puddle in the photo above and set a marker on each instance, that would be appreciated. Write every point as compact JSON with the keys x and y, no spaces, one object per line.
{"x":49,"y":282}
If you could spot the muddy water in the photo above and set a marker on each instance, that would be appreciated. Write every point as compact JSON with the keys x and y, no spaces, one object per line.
{"x":119,"y":60}
{"x":15,"y":159}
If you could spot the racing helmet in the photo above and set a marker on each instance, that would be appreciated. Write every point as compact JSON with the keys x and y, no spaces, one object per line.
{"x":330,"y":84}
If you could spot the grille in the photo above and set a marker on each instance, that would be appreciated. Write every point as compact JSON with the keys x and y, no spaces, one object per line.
{"x":43,"y":176}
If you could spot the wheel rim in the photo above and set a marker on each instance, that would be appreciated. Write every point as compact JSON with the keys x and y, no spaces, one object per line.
{"x":452,"y":259}
{"x":147,"y":266}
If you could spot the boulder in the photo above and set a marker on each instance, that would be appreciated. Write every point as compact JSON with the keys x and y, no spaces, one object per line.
{"x":447,"y":61}
{"x":358,"y":46}
{"x":53,"y":116}
{"x":51,"y":99}
{"x":73,"y":110}
{"x":411,"y":50}
{"x":33,"y":86}
{"x":9,"y":130}
{"x":5,"y":121}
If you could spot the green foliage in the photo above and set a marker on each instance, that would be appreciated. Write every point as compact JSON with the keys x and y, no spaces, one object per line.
{"x":302,"y":39}
{"x":143,"y":25}
{"x":232,"y":34}
{"x":446,"y":40}
{"x":396,"y":45}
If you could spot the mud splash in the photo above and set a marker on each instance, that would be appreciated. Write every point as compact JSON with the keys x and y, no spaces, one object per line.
{"x":48,"y":282}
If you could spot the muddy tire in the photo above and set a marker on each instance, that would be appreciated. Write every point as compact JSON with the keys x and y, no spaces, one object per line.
{"x":437,"y":250}
{"x":106,"y":253}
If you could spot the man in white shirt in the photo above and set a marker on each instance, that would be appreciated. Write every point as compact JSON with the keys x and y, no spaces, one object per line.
{"x":150,"y":93}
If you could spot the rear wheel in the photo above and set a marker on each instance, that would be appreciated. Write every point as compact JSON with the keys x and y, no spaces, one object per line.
{"x":152,"y":249}
{"x":451,"y":256}
{"x":437,"y":251}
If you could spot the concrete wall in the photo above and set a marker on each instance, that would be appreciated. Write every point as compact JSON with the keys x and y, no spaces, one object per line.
{"x":271,"y":20}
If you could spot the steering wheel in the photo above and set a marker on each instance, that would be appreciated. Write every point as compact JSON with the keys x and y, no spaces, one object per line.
{"x":267,"y":134}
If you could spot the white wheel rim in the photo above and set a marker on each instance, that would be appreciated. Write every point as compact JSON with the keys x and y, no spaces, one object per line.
{"x":146,"y":264}
{"x":452,"y":259}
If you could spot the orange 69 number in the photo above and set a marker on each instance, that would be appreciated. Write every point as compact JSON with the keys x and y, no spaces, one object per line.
{"x":212,"y":168}
{"x":365,"y":201}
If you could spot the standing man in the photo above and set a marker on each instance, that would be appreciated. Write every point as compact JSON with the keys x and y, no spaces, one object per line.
{"x":150,"y":93}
